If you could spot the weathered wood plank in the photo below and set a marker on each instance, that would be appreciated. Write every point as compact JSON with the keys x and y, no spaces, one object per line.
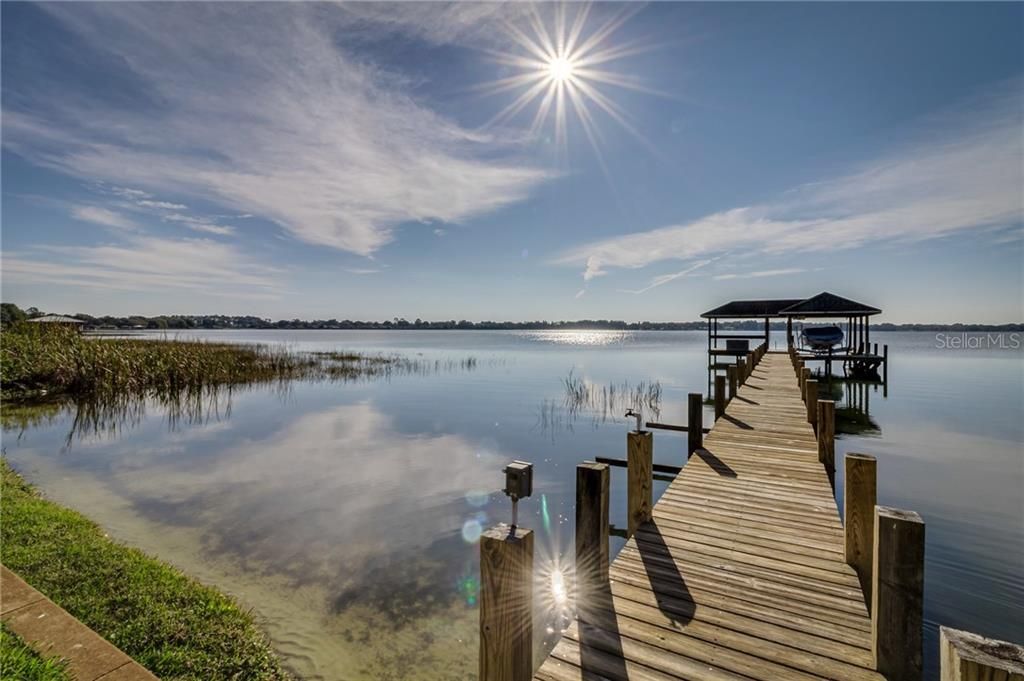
{"x":740,"y":570}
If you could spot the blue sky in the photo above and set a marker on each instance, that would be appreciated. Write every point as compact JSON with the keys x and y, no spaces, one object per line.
{"x":353,"y":161}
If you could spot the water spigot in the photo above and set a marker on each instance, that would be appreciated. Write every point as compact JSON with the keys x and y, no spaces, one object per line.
{"x":637,"y":415}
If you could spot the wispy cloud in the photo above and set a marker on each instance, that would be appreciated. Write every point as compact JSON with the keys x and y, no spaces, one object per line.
{"x":147,"y":264}
{"x":361,"y":270}
{"x":199,"y":224}
{"x":965,"y":174}
{"x":579,"y":294}
{"x":102,"y":216}
{"x":440,"y":232}
{"x":760,"y":273}
{"x":666,"y":278}
{"x":164,"y":205}
{"x":297,"y":131}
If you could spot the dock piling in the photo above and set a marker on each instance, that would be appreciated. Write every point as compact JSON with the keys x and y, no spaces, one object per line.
{"x":640,"y":474}
{"x":885,"y":365}
{"x":592,"y":494}
{"x":827,"y":437}
{"x":968,"y":657}
{"x":694,"y":423}
{"x":506,"y":604}
{"x":859,"y":498}
{"x":731,"y":375}
{"x":897,"y":593}
{"x":811,"y":398}
{"x":719,"y":396}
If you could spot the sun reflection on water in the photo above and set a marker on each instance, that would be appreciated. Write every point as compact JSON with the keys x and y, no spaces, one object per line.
{"x":583,"y":337}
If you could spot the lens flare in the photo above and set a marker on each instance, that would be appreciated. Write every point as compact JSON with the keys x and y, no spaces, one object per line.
{"x":558,"y":590}
{"x":471,"y":531}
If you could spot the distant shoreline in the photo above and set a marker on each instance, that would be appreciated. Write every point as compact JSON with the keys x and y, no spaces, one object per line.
{"x":559,"y":326}
{"x":12,"y":313}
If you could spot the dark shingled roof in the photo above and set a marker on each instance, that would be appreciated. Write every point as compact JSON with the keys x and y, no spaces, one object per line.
{"x":741,"y":309}
{"x":821,"y":305}
{"x":828,"y":305}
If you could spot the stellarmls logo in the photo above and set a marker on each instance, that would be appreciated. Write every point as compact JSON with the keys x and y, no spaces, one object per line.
{"x":978,"y":341}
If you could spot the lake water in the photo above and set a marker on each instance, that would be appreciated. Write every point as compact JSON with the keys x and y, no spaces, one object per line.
{"x":346,"y":514}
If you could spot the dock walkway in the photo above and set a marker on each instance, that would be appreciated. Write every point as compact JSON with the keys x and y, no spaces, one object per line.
{"x":740,"y":574}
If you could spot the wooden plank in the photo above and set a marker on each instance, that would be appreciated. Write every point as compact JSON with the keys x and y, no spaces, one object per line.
{"x":740,"y":569}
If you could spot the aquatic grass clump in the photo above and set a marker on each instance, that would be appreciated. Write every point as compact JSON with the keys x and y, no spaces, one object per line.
{"x":169,"y":623}
{"x":611,"y":398}
{"x":38,"y":360}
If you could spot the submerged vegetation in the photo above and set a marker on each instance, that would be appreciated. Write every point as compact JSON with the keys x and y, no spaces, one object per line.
{"x":171,"y":624}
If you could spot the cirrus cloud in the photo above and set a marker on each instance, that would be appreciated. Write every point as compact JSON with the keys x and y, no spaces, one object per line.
{"x":260,"y":109}
{"x":964,"y":174}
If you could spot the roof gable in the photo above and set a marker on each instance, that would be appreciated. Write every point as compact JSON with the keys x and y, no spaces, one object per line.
{"x":828,"y":304}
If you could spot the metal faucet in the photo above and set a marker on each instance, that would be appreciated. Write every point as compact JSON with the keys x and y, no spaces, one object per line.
{"x":636,"y":414}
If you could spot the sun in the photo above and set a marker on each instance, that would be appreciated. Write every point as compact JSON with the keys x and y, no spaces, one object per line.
{"x":560,"y":69}
{"x":563,"y":66}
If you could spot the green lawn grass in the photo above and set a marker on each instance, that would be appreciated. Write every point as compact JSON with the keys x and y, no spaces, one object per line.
{"x":18,"y":662}
{"x":171,"y":624}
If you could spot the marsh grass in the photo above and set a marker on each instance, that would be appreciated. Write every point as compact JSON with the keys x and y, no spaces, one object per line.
{"x":171,"y":624}
{"x":609,"y":399}
{"x":601,"y":403}
{"x":108,"y":383}
{"x":35,"y":360}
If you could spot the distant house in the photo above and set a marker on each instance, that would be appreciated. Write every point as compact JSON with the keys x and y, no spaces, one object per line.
{"x":58,"y":321}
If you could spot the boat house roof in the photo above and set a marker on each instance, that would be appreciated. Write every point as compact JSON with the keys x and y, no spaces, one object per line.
{"x":822,"y":305}
{"x":746,"y":309}
{"x":55,"y":319}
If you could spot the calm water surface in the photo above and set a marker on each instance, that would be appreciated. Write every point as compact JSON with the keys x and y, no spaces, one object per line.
{"x":347,"y":514}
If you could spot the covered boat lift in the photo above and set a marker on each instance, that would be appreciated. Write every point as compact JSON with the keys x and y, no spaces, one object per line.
{"x":856,"y":353}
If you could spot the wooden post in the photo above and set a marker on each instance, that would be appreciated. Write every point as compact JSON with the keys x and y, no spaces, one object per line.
{"x":811,"y":388}
{"x":805,"y":375}
{"x":750,"y":365}
{"x":739,"y":370}
{"x":897,"y":593}
{"x":592,"y":485}
{"x":719,"y":396}
{"x":885,"y":364}
{"x":827,"y":434}
{"x":860,"y":495}
{"x":694,"y":423}
{"x":640,"y":474}
{"x":506,"y":604}
{"x":731,"y":374}
{"x":968,"y":657}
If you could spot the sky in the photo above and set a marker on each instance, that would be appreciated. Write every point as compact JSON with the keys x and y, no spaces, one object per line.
{"x":512,"y":162}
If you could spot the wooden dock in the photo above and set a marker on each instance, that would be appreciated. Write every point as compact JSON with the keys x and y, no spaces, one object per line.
{"x":741,"y":572}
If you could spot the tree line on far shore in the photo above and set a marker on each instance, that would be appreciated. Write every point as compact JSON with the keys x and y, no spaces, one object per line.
{"x":11,"y":313}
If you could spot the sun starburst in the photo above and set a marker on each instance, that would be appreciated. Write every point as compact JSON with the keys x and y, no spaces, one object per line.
{"x":562,"y":65}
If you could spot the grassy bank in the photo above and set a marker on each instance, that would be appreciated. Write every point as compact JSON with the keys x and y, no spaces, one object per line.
{"x":171,"y":624}
{"x":18,"y":661}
